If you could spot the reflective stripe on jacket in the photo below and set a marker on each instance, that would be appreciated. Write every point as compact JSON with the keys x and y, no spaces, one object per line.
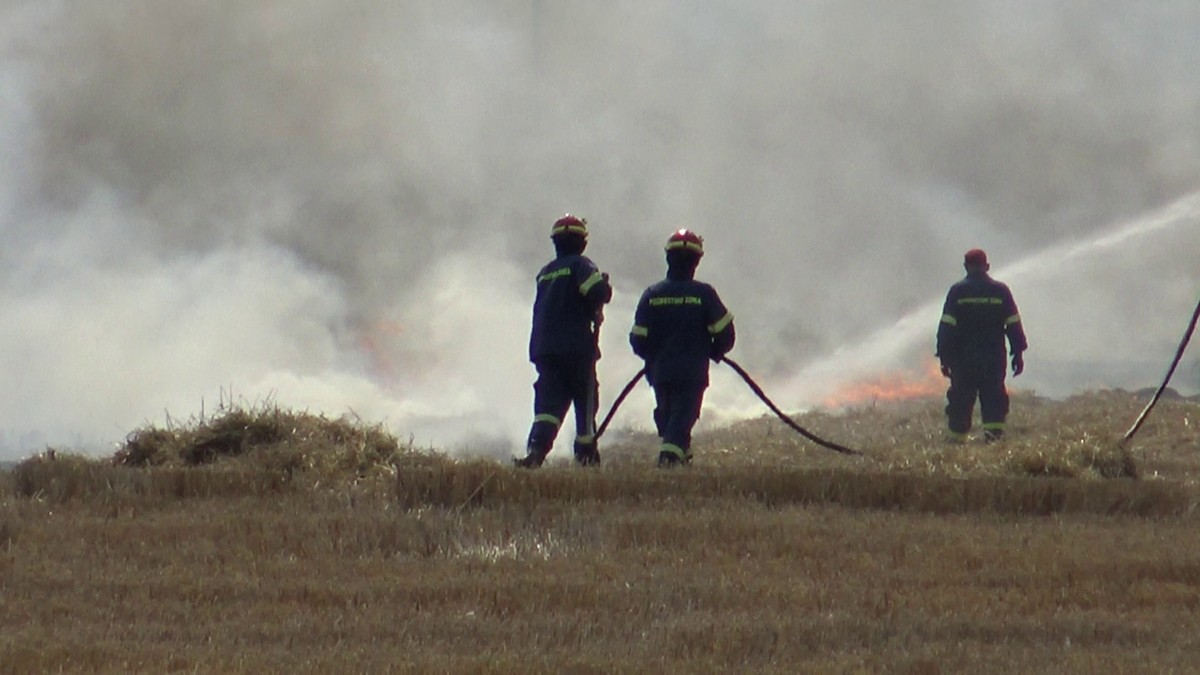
{"x":678,"y":326}
{"x":570,"y":291}
{"x":978,"y":314}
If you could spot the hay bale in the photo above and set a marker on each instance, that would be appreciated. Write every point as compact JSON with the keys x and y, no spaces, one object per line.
{"x":269,"y":438}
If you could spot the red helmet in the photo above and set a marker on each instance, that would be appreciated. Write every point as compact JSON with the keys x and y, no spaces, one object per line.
{"x":686,"y":240}
{"x":569,"y":224}
{"x":975,"y":258}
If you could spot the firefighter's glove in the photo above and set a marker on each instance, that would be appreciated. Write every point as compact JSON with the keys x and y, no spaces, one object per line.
{"x":606,"y":296}
{"x":1018,"y":364}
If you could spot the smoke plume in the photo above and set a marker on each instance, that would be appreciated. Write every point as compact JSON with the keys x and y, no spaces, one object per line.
{"x":340,"y":206}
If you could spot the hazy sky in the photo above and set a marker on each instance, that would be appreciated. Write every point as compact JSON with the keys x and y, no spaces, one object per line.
{"x":340,"y":206}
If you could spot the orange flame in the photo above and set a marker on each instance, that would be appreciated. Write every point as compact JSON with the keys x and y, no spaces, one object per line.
{"x":377,"y":342}
{"x":899,"y":385}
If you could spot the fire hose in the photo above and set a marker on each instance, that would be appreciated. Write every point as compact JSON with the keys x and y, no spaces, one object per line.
{"x":787,"y":420}
{"x":617,"y":403}
{"x":753,"y":387}
{"x":1187,"y":336}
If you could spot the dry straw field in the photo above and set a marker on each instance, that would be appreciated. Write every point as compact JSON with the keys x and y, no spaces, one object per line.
{"x":261,"y":540}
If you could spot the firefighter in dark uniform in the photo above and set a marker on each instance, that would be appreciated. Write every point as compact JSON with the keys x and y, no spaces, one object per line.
{"x":978,"y":315}
{"x":680,"y":324}
{"x":563,"y":345}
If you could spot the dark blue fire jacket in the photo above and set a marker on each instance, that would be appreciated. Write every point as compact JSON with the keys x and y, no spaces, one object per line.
{"x":570,"y":292}
{"x":678,"y":326}
{"x":978,"y":314}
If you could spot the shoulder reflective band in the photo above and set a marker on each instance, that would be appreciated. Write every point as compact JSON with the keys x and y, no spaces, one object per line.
{"x":1015,"y":318}
{"x":591,"y":281}
{"x":556,"y":274}
{"x":640,"y":331}
{"x":949,"y":320}
{"x":980,"y":301}
{"x":721,"y":324}
{"x":676,"y":300}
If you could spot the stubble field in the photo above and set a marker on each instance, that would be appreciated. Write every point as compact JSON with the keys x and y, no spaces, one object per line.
{"x":262,"y":540}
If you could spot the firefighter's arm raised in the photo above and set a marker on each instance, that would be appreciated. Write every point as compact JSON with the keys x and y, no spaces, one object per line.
{"x":595,"y":286}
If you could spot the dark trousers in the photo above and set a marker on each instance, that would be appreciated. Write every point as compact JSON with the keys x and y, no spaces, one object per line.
{"x":563,"y":381}
{"x":967,"y":381}
{"x":676,"y":412}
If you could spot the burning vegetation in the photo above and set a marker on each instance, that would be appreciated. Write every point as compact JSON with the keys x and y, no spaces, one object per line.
{"x":899,"y":385}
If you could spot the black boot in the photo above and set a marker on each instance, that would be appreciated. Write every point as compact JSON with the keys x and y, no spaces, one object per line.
{"x":587,"y":453}
{"x":532,"y":460}
{"x":667,"y":460}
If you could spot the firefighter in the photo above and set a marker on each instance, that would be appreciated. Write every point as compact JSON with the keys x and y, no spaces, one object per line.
{"x":564,"y":344}
{"x":679,"y":324}
{"x":978,"y":315}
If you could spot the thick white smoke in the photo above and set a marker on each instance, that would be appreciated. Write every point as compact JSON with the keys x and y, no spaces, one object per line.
{"x":341,"y":205}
